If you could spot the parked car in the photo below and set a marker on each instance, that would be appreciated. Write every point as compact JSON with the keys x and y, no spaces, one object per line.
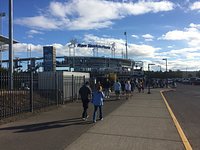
{"x":185,"y":81}
{"x":197,"y":81}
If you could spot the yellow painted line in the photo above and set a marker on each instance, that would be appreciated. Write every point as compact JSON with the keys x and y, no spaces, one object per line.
{"x":178,"y":127}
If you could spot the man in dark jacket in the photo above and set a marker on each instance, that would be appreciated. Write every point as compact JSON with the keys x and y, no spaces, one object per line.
{"x":85,"y":92}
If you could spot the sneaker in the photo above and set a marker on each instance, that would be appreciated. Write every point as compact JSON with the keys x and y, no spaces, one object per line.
{"x":94,"y":121}
{"x":101,"y":119}
{"x":84,"y":119}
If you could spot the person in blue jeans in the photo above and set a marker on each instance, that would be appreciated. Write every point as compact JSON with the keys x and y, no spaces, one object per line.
{"x":85,"y":93}
{"x":97,"y":100}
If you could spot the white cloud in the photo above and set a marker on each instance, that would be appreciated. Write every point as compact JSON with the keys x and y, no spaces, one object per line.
{"x":195,"y":6}
{"x":58,"y":9}
{"x":170,"y":46}
{"x":31,"y":33}
{"x":135,"y":36}
{"x":177,"y":58}
{"x":192,"y":25}
{"x":39,"y":22}
{"x":181,"y":58}
{"x":148,"y":37}
{"x":37,"y":50}
{"x":34,"y":32}
{"x":142,"y":51}
{"x":134,"y":50}
{"x":74,"y":14}
{"x":186,"y":53}
{"x":179,"y":64}
{"x":143,"y":7}
{"x":174,"y":35}
{"x":190,"y":34}
{"x":22,"y":47}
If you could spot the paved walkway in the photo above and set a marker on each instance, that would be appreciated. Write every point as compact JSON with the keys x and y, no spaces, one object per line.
{"x":140,"y":123}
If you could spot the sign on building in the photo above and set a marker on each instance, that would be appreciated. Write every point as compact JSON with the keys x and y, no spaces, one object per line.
{"x":49,"y":55}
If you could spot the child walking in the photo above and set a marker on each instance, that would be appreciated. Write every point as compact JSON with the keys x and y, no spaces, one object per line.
{"x":97,"y":100}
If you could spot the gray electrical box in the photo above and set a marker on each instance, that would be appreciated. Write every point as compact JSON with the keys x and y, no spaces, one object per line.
{"x":67,"y":83}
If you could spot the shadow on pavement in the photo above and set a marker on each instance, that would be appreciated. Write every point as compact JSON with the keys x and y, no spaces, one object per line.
{"x":47,"y":125}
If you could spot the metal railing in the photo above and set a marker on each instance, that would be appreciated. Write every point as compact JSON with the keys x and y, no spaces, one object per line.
{"x":28,"y":96}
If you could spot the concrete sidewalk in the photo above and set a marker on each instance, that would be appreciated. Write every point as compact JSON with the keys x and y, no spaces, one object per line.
{"x":142,"y":123}
{"x":51,"y":130}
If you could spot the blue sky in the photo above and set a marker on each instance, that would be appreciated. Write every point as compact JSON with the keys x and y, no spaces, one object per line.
{"x":155,"y":29}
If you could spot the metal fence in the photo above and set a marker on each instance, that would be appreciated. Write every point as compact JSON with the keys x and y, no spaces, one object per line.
{"x":27,"y":96}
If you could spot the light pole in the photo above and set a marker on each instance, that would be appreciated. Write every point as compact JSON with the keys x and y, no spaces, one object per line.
{"x":126,"y":45}
{"x":149,"y":77}
{"x":11,"y":44}
{"x":166,"y":72}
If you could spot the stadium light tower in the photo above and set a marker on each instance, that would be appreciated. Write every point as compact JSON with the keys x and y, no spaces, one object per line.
{"x":126,"y":44}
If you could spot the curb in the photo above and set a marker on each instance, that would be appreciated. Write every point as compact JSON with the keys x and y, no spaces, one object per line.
{"x":178,"y":127}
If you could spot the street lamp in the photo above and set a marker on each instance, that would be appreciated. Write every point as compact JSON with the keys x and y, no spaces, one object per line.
{"x":166,"y":72}
{"x":149,"y":77}
{"x":126,"y":45}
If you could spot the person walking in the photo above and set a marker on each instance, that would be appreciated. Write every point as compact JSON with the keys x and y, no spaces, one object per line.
{"x":142,"y":85}
{"x":132,"y":82}
{"x":128,"y":89}
{"x":97,"y":100}
{"x":107,"y":88}
{"x":138,"y":85}
{"x":122,"y":86}
{"x":85,"y":93}
{"x":117,"y":89}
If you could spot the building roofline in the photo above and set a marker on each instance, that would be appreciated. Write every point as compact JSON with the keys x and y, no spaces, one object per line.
{"x":5,"y":40}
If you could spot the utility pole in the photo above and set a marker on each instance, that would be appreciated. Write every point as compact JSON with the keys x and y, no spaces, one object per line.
{"x":11,"y":44}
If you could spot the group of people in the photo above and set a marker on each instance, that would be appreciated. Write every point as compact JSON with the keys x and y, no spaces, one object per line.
{"x":128,"y":86}
{"x":118,"y":87}
{"x":96,"y":98}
